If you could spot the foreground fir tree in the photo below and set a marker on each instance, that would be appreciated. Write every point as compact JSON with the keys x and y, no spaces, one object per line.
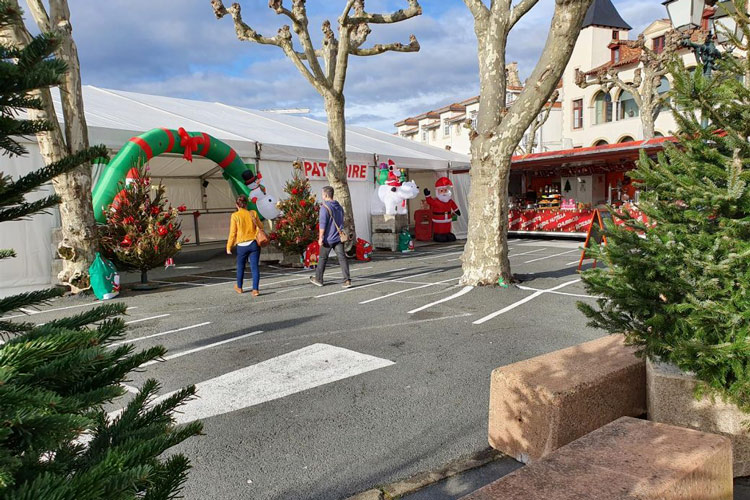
{"x":680,"y":289}
{"x":56,"y":439}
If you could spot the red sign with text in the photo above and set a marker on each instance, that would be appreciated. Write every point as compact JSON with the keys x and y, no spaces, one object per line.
{"x":316,"y":170}
{"x":561,"y":221}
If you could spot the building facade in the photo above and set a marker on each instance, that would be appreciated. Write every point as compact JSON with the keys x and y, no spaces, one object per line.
{"x":582,"y":117}
{"x":445,"y":127}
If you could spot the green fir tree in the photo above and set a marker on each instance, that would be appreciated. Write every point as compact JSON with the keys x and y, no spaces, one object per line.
{"x":142,"y":230}
{"x":679,"y":285}
{"x":56,"y":439}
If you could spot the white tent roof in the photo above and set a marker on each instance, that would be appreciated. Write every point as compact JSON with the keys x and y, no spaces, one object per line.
{"x":113,"y":116}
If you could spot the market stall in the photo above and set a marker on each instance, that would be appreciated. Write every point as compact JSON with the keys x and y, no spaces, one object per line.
{"x":557,"y":191}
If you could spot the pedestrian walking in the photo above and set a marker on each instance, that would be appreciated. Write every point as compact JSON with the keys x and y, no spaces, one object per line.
{"x":331,"y":221}
{"x":243,"y":228}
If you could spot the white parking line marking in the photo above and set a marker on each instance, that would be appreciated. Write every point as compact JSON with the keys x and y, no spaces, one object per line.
{"x":441,"y":254}
{"x":576,"y":262}
{"x":378,"y":282}
{"x":184,"y":283}
{"x":160,"y":334}
{"x":553,"y":255}
{"x":463,"y":291}
{"x":520,"y":302}
{"x":209,"y":277}
{"x":32,"y":312}
{"x":408,"y":290}
{"x":296,"y":371}
{"x":526,"y":253}
{"x":581,"y":295}
{"x":201,"y":348}
{"x":310,"y":272}
{"x":146,"y":319}
{"x":130,"y":388}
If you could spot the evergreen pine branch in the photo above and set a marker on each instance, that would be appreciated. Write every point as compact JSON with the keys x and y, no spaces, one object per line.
{"x":99,"y":313}
{"x":168,"y":479}
{"x":23,"y":210}
{"x":8,"y":328}
{"x":27,"y":299}
{"x":15,"y":190}
{"x":7,"y":253}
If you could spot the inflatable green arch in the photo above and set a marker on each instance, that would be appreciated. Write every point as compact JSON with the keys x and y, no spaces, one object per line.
{"x":139,"y":150}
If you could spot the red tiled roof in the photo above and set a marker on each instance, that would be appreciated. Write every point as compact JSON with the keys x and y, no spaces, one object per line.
{"x":628,"y":55}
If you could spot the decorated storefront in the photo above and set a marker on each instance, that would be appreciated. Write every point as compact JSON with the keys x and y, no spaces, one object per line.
{"x":557,"y":191}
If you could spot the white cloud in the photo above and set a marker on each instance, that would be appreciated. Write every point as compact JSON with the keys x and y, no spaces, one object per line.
{"x":178,"y":48}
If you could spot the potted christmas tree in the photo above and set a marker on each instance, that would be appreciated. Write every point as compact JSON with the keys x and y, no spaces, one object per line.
{"x":142,"y":230}
{"x":298,"y":225}
{"x":679,"y":286}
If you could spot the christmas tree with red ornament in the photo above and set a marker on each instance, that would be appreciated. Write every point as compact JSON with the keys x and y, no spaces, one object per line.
{"x":298,"y":225}
{"x":142,"y":230}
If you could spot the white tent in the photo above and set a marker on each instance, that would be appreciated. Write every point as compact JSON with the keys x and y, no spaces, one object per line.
{"x":272,"y":141}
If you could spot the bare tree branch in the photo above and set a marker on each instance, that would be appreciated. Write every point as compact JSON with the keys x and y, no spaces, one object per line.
{"x":39,"y":13}
{"x":520,"y":10}
{"x":540,"y":120}
{"x":361,"y":16}
{"x":283,"y":39}
{"x":477,"y":8}
{"x":413,"y":46}
{"x":244,"y":32}
{"x":298,"y":16}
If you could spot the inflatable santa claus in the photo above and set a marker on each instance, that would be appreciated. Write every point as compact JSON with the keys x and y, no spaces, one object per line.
{"x":444,"y":209}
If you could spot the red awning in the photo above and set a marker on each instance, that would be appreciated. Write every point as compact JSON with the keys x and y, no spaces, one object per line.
{"x":606,"y":155}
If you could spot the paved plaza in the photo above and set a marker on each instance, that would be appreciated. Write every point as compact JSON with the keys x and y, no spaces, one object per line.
{"x":310,"y":392}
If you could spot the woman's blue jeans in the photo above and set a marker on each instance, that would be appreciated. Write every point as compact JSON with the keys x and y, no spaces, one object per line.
{"x":244,"y":253}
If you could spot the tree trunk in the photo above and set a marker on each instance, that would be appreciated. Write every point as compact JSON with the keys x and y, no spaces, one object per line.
{"x":499,"y":132}
{"x":79,"y":244}
{"x":336,"y":171}
{"x":648,"y":118}
{"x":485,"y":258}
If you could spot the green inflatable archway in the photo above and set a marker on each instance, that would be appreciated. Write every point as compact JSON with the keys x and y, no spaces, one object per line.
{"x":139,"y":150}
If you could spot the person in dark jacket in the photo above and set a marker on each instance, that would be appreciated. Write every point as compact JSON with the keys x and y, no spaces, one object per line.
{"x":331,"y":219}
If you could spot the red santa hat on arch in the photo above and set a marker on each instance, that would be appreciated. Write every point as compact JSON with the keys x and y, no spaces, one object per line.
{"x":443,"y":182}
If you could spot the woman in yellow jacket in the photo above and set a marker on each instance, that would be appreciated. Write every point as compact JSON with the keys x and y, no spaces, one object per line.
{"x":242,"y":231}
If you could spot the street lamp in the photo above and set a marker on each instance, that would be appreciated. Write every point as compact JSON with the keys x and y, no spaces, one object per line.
{"x":687,"y":15}
{"x":724,"y":23}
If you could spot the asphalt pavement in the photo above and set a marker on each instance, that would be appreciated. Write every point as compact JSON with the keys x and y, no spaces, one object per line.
{"x":320,"y":393}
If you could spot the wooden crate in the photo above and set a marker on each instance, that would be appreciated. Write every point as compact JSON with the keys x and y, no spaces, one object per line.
{"x":389,"y":224}
{"x":385,"y":241}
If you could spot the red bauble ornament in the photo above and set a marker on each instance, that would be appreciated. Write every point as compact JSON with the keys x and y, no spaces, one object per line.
{"x":295,"y":191}
{"x":126,"y":241}
{"x":155,"y":210}
{"x":162,"y":231}
{"x":302,"y":203}
{"x":181,"y":208}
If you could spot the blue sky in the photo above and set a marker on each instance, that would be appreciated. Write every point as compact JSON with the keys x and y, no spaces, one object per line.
{"x":178,"y":48}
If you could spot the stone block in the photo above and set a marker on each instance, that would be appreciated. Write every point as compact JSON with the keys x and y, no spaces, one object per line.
{"x":389,"y":223}
{"x":626,"y":459}
{"x":671,"y":400}
{"x":385,"y":241}
{"x":543,"y":403}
